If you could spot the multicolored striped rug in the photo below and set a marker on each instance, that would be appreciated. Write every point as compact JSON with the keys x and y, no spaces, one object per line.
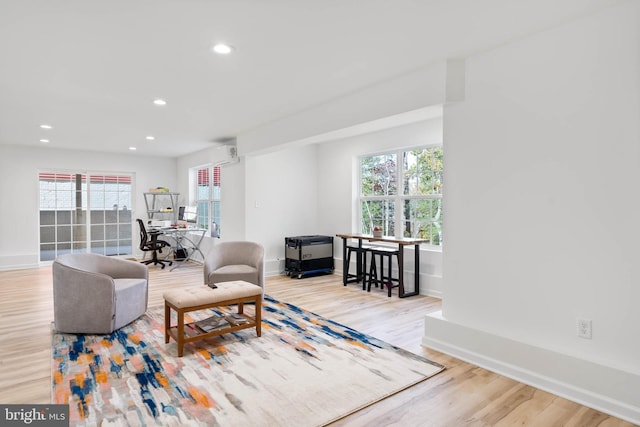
{"x":305,"y":370}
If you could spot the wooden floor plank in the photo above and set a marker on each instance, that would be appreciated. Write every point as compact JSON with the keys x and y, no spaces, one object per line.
{"x":462,"y":395}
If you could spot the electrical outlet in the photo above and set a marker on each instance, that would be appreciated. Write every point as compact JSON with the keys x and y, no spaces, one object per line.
{"x":584,"y":328}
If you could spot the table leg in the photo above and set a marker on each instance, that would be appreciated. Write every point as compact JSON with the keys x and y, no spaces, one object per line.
{"x":401,"y":271}
{"x":345,"y":267}
{"x":359,"y":266}
{"x":416,"y":288}
{"x":180,"y":332}
{"x":258,"y":315}
{"x":416,"y":257}
{"x":167,"y":322}
{"x":195,"y":247}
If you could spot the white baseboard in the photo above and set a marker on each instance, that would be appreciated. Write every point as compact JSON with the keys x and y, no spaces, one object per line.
{"x":19,"y":262}
{"x":273,"y":267}
{"x":600,"y":387}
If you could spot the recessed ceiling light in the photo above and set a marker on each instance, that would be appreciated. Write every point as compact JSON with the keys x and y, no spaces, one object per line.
{"x":46,"y":126}
{"x":45,"y":141}
{"x":132,"y":148}
{"x":222,"y":49}
{"x":150,"y":138}
{"x":159,"y":101}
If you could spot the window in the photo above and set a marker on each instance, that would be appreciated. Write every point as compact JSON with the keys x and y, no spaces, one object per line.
{"x":82,"y":212}
{"x":206,"y":188}
{"x":401,"y":192}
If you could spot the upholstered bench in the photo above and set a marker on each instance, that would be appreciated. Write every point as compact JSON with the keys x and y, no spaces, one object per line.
{"x":185,"y":300}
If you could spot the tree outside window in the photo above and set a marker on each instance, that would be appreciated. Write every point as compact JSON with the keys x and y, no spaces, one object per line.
{"x":408,"y":195}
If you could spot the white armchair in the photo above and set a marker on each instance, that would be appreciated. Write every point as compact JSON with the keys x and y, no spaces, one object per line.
{"x":96,"y":294}
{"x":228,"y":261}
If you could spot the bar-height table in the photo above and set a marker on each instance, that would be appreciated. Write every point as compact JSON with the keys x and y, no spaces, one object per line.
{"x":401,"y":242}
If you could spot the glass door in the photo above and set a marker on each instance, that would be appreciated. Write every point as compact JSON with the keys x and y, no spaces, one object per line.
{"x":82,"y":212}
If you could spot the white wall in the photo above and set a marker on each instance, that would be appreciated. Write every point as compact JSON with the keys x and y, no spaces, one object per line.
{"x":337,"y":177}
{"x":542,"y":169}
{"x":234,"y":206}
{"x":265,"y":198}
{"x":282,"y":200}
{"x":301,"y":190}
{"x":232,"y":214}
{"x":19,"y":167}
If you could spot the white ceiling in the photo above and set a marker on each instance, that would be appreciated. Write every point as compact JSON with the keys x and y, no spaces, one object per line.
{"x":91,"y":68}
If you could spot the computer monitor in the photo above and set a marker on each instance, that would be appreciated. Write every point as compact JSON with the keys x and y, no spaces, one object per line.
{"x":188,"y":214}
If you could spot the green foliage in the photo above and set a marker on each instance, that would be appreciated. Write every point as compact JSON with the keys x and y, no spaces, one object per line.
{"x":422,"y":183}
{"x":379,"y":213}
{"x":379,"y":174}
{"x":423,"y":219}
{"x":423,"y":171}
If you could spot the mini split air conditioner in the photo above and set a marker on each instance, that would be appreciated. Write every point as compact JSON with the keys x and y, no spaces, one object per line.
{"x":226,"y":154}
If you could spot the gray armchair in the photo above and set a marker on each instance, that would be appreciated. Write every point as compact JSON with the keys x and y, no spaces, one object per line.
{"x":228,"y":261}
{"x":96,"y":294}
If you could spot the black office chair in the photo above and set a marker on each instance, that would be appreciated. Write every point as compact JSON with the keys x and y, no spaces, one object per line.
{"x":152,"y":245}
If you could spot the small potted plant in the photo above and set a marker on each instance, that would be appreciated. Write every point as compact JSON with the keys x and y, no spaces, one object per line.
{"x":377,"y":231}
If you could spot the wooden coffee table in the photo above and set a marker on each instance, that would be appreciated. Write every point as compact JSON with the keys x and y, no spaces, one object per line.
{"x":185,"y":300}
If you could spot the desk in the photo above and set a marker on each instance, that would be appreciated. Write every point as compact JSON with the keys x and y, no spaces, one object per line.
{"x":401,"y":242}
{"x":185,"y":238}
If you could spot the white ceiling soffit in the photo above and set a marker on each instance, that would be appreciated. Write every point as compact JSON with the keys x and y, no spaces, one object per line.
{"x":92,"y":69}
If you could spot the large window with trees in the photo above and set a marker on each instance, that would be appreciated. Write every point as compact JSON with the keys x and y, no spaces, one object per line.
{"x":401,"y":192}
{"x":207,"y":190}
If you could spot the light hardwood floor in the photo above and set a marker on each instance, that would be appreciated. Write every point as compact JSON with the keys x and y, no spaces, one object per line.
{"x":462,"y":395}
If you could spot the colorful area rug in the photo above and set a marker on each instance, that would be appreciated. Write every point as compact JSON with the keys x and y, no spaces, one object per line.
{"x":305,"y":370}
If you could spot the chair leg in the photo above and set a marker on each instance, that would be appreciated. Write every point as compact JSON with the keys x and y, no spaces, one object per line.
{"x":373,"y":273}
{"x":155,"y":260}
{"x":363,"y":260}
{"x":348,"y":264}
{"x":388,"y":280}
{"x":361,"y":264}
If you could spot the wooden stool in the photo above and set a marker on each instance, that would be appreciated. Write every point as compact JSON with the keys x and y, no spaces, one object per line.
{"x":361,"y":264}
{"x":185,"y":300}
{"x":384,"y":280}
